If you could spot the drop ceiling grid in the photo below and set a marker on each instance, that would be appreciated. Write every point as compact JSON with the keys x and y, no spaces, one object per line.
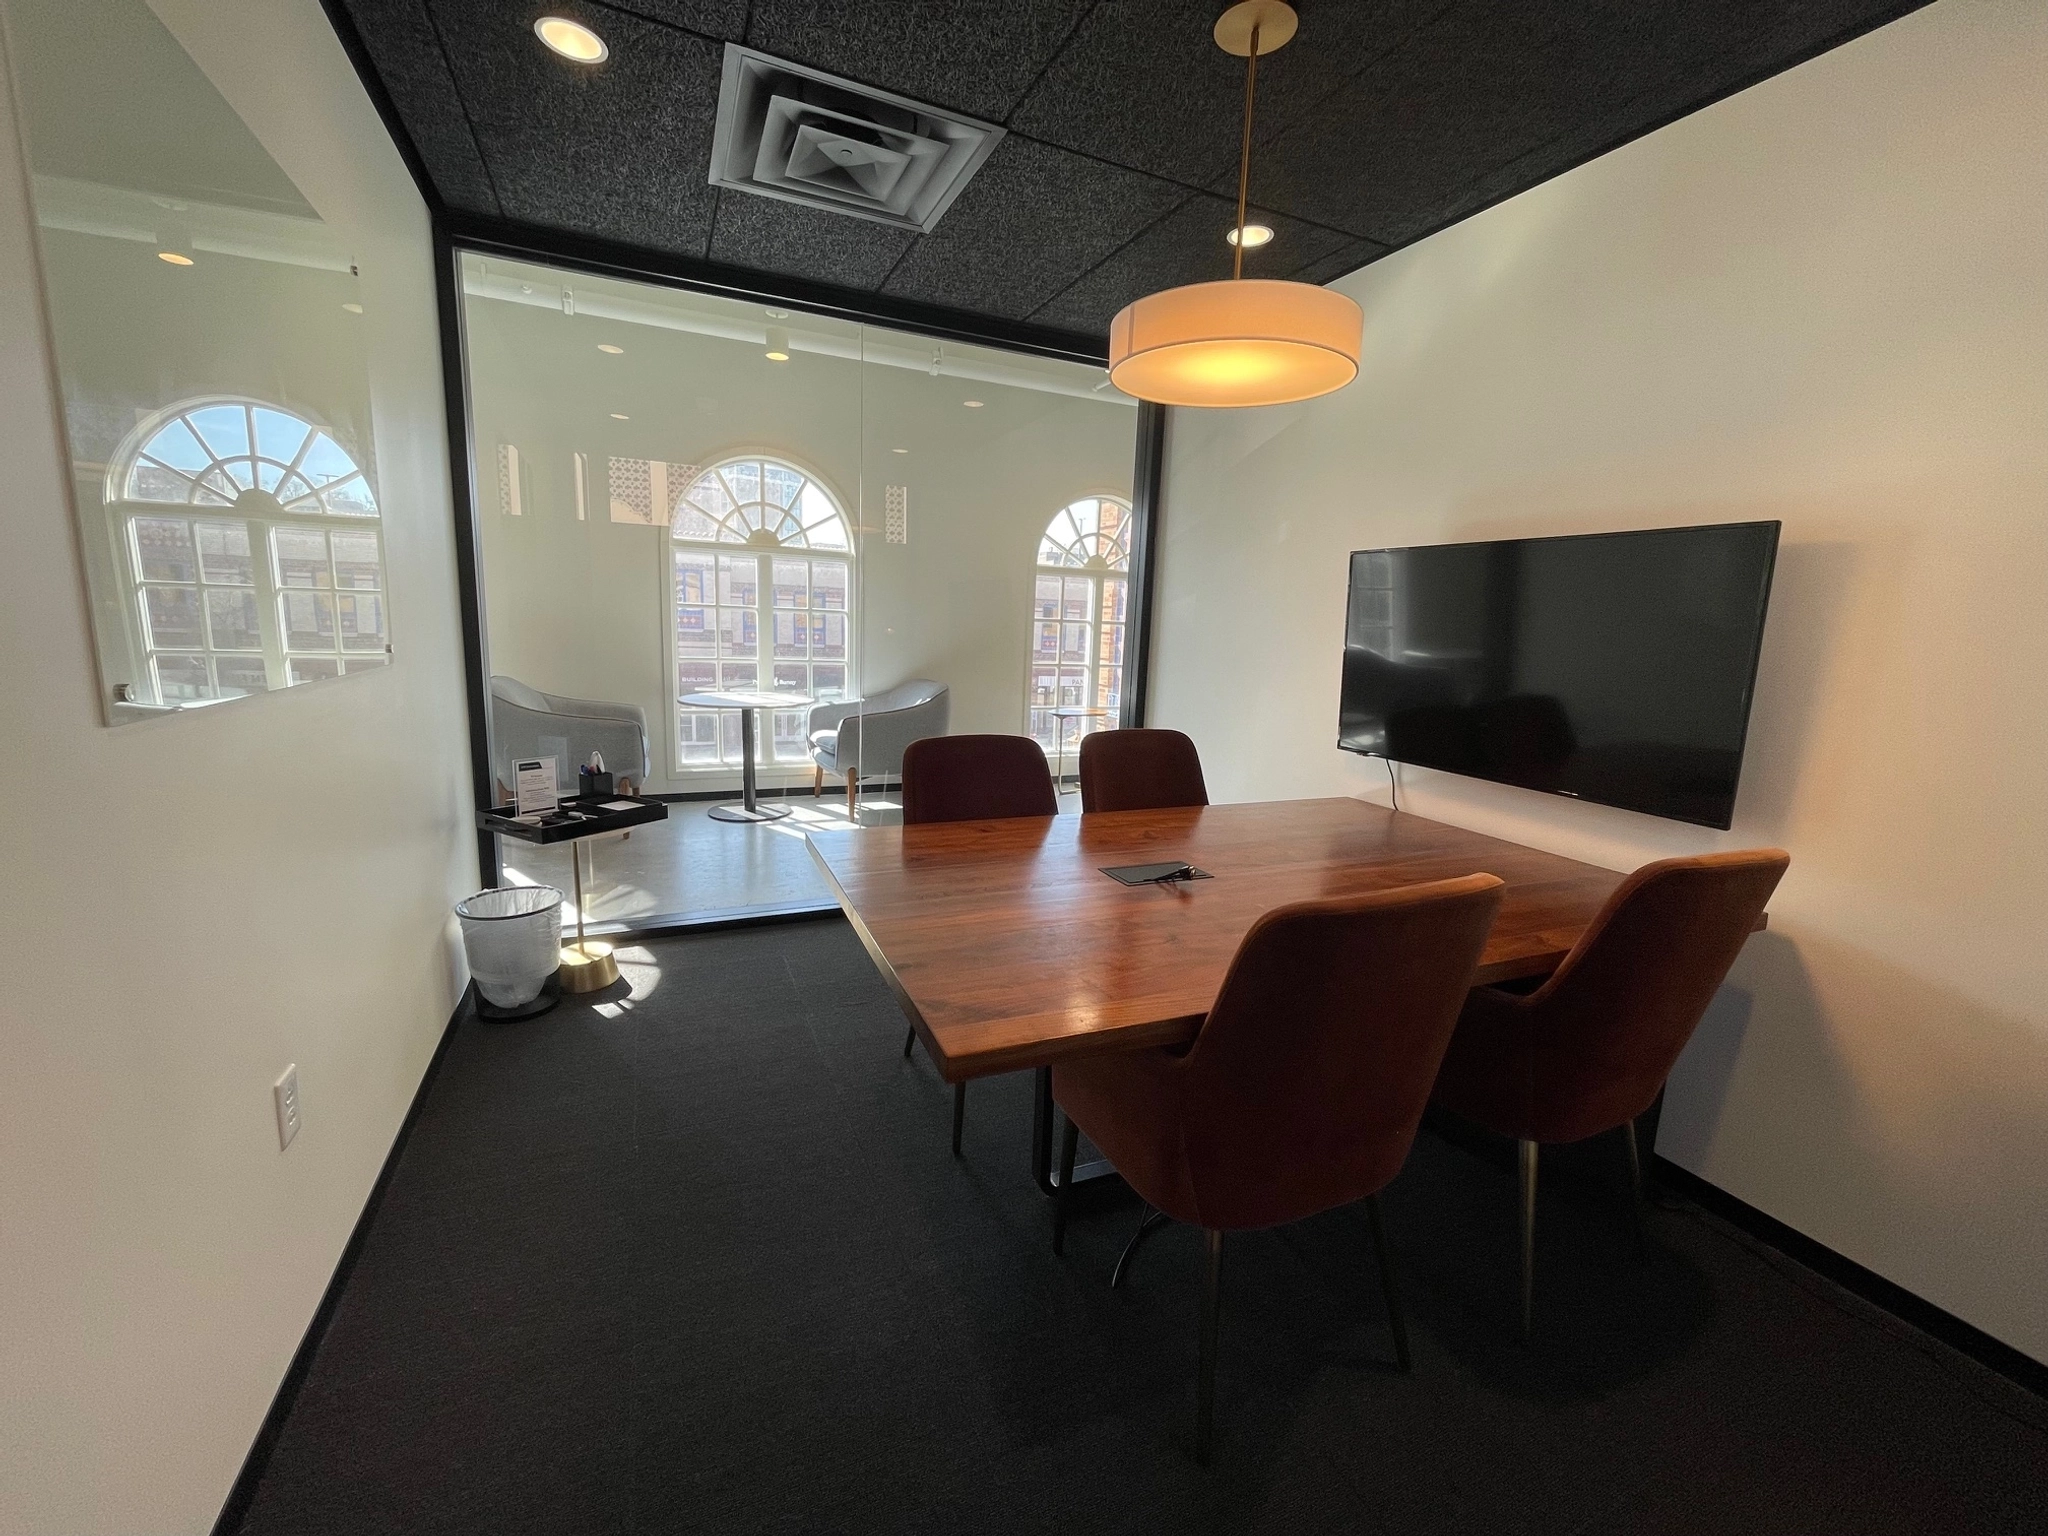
{"x":1385,"y":121}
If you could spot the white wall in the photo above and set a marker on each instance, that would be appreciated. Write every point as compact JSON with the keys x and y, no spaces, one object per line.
{"x":578,"y":608}
{"x":1824,"y":300}
{"x":193,"y":903}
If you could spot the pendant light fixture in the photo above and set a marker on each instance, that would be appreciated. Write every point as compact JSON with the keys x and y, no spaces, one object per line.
{"x":1247,"y":340}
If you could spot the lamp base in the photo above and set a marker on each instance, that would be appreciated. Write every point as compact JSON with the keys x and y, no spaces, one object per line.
{"x":588,"y":966}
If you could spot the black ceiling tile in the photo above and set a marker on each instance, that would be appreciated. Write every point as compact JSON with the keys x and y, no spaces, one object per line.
{"x":1492,"y":82}
{"x":1384,"y":120}
{"x":1032,"y":220}
{"x":765,"y":234}
{"x":1480,"y":84}
{"x":1143,"y":82}
{"x":408,"y":59}
{"x":974,"y":56}
{"x":1696,"y":62}
{"x":1187,"y":246}
{"x":1332,"y":265}
{"x":722,"y":19}
{"x":619,"y":150}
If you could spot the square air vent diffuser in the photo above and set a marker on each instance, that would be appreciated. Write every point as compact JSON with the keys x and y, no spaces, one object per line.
{"x":790,"y":132}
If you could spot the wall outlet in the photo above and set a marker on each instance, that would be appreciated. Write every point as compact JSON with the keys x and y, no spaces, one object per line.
{"x":286,"y":1091}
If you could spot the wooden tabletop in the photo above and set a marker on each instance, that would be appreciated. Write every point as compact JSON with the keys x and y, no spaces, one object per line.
{"x":1008,"y":948}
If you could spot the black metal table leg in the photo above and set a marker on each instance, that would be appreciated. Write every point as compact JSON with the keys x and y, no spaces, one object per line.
{"x":749,"y":809}
{"x":747,"y":779}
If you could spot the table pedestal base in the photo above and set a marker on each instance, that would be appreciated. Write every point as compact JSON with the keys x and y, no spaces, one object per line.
{"x":1044,"y":1167}
{"x":742,"y":812}
{"x":587,"y":966}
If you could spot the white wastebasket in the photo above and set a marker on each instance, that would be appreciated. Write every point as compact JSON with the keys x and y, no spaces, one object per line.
{"x":513,"y":937}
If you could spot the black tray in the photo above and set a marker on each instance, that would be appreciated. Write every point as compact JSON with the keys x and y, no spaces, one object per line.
{"x":580,"y":819}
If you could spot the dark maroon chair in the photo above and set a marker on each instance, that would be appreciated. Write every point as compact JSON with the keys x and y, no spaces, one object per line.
{"x":1304,"y":1087}
{"x":1589,"y":1050}
{"x":973,"y":778}
{"x":1140,"y":770}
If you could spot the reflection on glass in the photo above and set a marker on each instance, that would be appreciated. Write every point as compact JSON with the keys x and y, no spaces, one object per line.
{"x":765,"y":504}
{"x":1077,"y":630}
{"x":201,"y":505}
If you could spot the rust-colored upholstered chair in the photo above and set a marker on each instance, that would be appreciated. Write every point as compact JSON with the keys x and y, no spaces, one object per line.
{"x":1140,"y":770}
{"x":1304,"y":1088}
{"x":973,"y":778}
{"x":1588,"y":1051}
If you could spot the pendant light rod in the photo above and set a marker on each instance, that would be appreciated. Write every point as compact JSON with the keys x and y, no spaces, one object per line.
{"x":1244,"y":154}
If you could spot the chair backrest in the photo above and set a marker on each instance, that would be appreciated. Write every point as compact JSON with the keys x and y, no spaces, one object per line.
{"x":1607,"y":1027}
{"x":917,"y":690}
{"x":1310,"y":1075}
{"x":1140,"y":770}
{"x":975,"y":778}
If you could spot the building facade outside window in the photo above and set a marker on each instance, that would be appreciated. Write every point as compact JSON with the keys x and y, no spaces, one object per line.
{"x":253,"y":551}
{"x":1078,"y":619}
{"x":762,"y":599}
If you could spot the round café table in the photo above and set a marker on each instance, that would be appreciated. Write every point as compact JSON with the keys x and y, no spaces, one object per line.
{"x":746,"y":703}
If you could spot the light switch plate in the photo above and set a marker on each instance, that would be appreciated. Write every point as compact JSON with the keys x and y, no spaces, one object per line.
{"x":286,"y":1091}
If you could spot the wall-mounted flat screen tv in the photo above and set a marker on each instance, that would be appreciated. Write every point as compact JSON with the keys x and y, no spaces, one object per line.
{"x":1614,"y":667}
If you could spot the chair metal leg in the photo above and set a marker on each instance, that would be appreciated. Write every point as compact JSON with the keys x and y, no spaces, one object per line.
{"x":1150,"y":1220}
{"x":909,"y":1039}
{"x":1635,"y":1188}
{"x":1070,"y":1139}
{"x":1528,"y":1156}
{"x":959,"y":1114}
{"x":1395,"y":1320}
{"x":1212,"y":1316}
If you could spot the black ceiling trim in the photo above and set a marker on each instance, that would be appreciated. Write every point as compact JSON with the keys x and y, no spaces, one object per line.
{"x":1608,"y":146}
{"x":608,"y":258}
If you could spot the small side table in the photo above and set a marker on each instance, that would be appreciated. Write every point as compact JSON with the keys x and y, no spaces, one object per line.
{"x":586,"y":964}
{"x":1063,"y":714}
{"x":746,"y":703}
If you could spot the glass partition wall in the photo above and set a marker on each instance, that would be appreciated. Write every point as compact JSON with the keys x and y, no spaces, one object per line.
{"x":681,"y":495}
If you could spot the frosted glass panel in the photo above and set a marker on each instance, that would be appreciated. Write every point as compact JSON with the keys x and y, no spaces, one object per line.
{"x":210,"y":338}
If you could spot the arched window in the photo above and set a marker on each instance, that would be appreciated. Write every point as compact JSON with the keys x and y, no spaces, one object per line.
{"x":760,"y":549}
{"x":1077,"y":621}
{"x":253,"y":548}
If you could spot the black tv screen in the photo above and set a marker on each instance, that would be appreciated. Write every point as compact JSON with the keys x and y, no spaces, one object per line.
{"x":1614,"y":667}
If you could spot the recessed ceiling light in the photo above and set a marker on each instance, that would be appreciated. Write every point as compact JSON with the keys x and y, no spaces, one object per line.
{"x":1255,"y":235}
{"x":972,"y":405}
{"x":620,"y":416}
{"x":354,"y":309}
{"x":175,"y":258}
{"x":571,"y":39}
{"x":605,"y":346}
{"x":899,"y":450}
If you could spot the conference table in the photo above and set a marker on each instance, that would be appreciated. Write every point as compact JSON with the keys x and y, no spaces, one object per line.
{"x":1008,"y":948}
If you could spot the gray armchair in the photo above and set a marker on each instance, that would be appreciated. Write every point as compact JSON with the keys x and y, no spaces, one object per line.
{"x":864,"y":738}
{"x":528,"y":723}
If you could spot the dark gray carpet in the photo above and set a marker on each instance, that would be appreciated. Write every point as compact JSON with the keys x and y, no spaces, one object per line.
{"x":704,"y":1264}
